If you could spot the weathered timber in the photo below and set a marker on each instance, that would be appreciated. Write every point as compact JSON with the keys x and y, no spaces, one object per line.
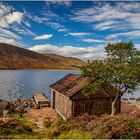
{"x":41,"y":100}
{"x":138,"y":99}
{"x":68,"y":100}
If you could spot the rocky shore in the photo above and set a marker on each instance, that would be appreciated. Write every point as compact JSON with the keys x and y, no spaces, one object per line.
{"x":22,"y":105}
{"x":17,"y":105}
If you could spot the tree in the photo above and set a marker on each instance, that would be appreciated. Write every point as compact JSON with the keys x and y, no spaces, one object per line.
{"x":117,"y":73}
{"x":121,"y":51}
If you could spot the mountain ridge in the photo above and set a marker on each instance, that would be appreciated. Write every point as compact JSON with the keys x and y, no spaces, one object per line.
{"x":13,"y":57}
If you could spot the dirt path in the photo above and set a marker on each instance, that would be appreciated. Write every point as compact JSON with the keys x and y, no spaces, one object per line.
{"x":38,"y":116}
{"x":40,"y":125}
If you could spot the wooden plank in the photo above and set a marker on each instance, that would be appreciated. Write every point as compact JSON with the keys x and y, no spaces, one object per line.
{"x":40,"y":99}
{"x":63,"y":105}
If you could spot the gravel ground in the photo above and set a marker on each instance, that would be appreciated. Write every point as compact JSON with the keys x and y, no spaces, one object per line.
{"x":129,"y":108}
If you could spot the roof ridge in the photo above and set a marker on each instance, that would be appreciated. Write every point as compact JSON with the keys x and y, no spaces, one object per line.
{"x":63,"y":78}
{"x":71,"y":84}
{"x":80,"y":87}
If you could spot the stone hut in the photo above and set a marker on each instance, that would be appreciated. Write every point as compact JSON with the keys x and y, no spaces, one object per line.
{"x":68,"y":100}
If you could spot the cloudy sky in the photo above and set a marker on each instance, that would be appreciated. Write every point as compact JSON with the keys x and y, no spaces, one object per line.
{"x":69,"y":28}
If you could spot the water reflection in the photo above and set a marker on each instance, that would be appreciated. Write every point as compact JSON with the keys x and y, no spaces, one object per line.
{"x":22,"y":84}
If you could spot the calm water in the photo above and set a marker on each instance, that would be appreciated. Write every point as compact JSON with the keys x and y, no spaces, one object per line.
{"x":22,"y":83}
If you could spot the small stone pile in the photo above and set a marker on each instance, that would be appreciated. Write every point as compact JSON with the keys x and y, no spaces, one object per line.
{"x":17,"y":105}
{"x":20,"y":105}
{"x":3,"y":105}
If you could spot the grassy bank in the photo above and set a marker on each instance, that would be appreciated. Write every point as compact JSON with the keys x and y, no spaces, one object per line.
{"x":123,"y":126}
{"x":105,"y":127}
{"x":16,"y":126}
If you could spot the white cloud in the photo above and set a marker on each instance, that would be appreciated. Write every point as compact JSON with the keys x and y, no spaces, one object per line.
{"x":66,"y":3}
{"x":62,"y":30}
{"x":103,"y":12}
{"x":8,"y":16}
{"x":23,"y":30}
{"x":29,"y":32}
{"x":43,"y":37}
{"x":130,"y":34}
{"x":111,"y":36}
{"x":106,"y":25}
{"x":107,"y":16}
{"x":10,"y":41}
{"x":71,"y":51}
{"x":48,"y":18}
{"x":37,"y":18}
{"x":79,"y":34}
{"x":7,"y":33}
{"x":54,"y":25}
{"x":3,"y":23}
{"x":14,"y":17}
{"x":89,"y":40}
{"x":4,"y":10}
{"x":27,"y":23}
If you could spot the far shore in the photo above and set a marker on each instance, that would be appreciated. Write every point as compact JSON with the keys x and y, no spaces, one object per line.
{"x":40,"y":69}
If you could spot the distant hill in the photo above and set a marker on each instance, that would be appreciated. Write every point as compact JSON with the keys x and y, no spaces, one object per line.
{"x":12,"y":57}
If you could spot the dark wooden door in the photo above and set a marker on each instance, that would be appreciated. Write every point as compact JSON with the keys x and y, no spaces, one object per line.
{"x":53,"y":99}
{"x":79,"y":108}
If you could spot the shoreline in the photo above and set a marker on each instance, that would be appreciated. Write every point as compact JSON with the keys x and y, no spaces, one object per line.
{"x":17,"y":105}
{"x":37,"y":70}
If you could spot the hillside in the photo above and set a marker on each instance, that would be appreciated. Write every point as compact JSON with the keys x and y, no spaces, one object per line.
{"x":12,"y":57}
{"x":70,"y":61}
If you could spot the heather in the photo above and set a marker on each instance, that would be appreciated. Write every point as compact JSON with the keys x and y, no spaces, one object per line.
{"x":121,"y":126}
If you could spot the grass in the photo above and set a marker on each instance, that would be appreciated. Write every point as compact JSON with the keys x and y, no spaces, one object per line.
{"x":75,"y":134}
{"x":18,"y":126}
{"x":123,"y":126}
{"x":14,"y":128}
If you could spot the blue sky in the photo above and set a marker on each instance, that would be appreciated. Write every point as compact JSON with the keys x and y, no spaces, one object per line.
{"x":71,"y":28}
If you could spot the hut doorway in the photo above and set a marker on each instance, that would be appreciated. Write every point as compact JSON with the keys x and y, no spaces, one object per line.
{"x":53,"y":99}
